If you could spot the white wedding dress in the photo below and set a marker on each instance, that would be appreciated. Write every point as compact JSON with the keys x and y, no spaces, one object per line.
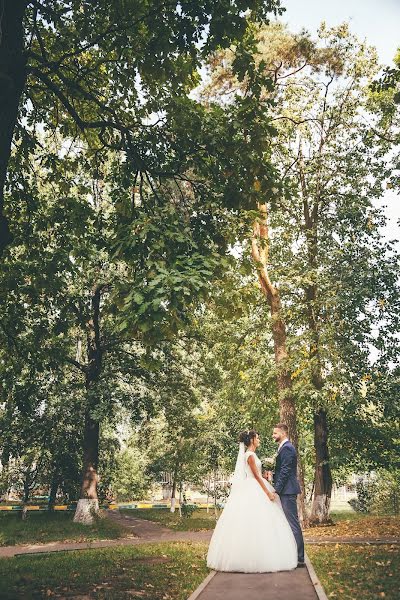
{"x":252,"y":534}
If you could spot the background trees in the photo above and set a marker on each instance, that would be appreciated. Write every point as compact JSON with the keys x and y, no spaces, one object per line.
{"x":317,"y":242}
{"x":141,"y":213}
{"x":111,"y":180}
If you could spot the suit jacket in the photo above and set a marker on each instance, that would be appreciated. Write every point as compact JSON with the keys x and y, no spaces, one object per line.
{"x":285,"y":476}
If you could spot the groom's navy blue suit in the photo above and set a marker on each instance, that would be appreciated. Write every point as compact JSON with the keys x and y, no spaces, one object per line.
{"x":287,"y":486}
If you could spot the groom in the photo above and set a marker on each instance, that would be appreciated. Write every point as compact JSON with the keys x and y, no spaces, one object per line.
{"x":286,"y":484}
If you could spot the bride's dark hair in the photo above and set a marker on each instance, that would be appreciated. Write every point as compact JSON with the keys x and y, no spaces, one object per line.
{"x":248,"y":436}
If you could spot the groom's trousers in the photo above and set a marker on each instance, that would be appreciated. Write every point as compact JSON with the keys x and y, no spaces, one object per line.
{"x":289,"y":505}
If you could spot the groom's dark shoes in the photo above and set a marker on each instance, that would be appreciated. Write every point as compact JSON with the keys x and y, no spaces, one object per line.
{"x":301,"y":565}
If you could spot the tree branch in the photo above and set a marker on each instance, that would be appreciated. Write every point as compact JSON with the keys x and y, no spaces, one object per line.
{"x":76,"y":364}
{"x":260,"y":251}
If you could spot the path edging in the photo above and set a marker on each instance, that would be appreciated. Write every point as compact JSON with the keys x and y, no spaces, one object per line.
{"x":317,"y":585}
{"x":202,"y":585}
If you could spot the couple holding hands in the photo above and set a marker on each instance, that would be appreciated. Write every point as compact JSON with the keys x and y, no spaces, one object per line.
{"x":259,"y":530}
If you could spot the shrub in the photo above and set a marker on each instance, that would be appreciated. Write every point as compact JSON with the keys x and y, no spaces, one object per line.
{"x":380,"y":495}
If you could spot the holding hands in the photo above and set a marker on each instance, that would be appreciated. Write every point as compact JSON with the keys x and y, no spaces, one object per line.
{"x":267,"y":475}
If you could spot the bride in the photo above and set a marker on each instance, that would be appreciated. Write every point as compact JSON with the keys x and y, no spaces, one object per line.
{"x":252,"y":534}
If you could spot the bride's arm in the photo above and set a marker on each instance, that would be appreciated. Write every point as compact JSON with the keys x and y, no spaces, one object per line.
{"x":252,"y":462}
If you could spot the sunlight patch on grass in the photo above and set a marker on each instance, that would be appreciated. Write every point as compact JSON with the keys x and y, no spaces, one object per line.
{"x":366,"y":526}
{"x":51,"y":527}
{"x":198,"y":521}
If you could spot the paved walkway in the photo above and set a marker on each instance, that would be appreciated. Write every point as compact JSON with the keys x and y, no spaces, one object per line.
{"x":285,"y":585}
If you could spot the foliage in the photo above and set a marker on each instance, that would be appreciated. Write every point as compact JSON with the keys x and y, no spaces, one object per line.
{"x":124,"y":181}
{"x":337,"y":276}
{"x":378,"y":495}
{"x":129,"y":478}
{"x":187,"y":510}
{"x":116,"y":197}
{"x":366,"y":490}
{"x":387,"y":499}
{"x":115,"y":77}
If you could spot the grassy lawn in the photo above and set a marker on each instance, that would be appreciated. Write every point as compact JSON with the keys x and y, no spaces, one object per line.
{"x":51,"y":527}
{"x":357,"y":572}
{"x":198,"y":521}
{"x":357,"y":525}
{"x":153,"y":572}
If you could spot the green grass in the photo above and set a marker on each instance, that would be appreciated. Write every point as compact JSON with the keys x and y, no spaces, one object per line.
{"x":51,"y":527}
{"x":357,"y":572}
{"x":153,"y":572}
{"x":198,"y":521}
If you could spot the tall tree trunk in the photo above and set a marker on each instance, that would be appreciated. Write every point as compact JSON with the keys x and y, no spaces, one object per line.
{"x":90,"y":458}
{"x":322,"y":473}
{"x":215,"y":495}
{"x":55,"y":482}
{"x":12,"y":84}
{"x":208,"y":491}
{"x":287,"y":405}
{"x":88,"y":504}
{"x":322,"y":477}
{"x":27,"y":488}
{"x":174,"y":482}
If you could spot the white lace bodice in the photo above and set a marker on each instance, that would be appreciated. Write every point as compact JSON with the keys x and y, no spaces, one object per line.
{"x":249,"y":472}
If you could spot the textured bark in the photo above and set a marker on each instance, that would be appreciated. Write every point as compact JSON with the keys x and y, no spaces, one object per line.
{"x":27,"y":489}
{"x":12,"y":83}
{"x":322,"y":473}
{"x":86,"y":511}
{"x":287,"y":405}
{"x":322,"y":477}
{"x":91,"y":433}
{"x":174,"y":483}
{"x":55,"y":482}
{"x":90,"y":459}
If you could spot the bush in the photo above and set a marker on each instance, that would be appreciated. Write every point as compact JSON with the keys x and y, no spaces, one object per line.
{"x":366,"y":491}
{"x":386,"y":500}
{"x":380,"y":495}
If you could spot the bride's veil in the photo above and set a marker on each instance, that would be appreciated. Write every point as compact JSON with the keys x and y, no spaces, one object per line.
{"x":240,"y":468}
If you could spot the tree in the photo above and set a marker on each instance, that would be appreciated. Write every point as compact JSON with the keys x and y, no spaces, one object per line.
{"x":326,"y":155}
{"x":95,"y":81}
{"x":130,"y":480}
{"x":324,"y":152}
{"x":100,"y":75}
